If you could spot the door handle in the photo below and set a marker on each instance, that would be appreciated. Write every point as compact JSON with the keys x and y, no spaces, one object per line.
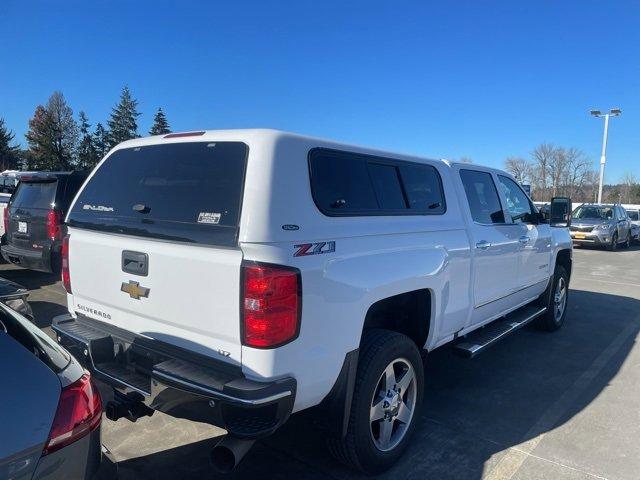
{"x":483,"y":244}
{"x":524,"y":240}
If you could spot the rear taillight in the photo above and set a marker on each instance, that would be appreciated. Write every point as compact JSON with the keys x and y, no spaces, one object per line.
{"x":271,"y":303}
{"x":64,"y":253}
{"x":54,"y":225}
{"x":79,"y":413}
{"x":6,"y":219}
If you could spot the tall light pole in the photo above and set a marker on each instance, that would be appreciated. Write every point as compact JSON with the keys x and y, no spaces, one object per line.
{"x":614,"y":112}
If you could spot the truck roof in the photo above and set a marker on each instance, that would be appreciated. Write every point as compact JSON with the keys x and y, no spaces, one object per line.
{"x":251,"y":135}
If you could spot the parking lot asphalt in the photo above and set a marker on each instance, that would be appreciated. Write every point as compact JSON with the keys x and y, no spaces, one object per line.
{"x":564,"y":405}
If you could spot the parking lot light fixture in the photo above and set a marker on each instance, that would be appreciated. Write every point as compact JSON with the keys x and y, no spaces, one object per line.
{"x":614,"y":112}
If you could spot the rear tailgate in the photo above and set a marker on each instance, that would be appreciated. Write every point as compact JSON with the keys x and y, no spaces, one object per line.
{"x":153,"y":244}
{"x":193,"y":292}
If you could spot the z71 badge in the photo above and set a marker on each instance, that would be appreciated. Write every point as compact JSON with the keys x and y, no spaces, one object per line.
{"x":305,"y":249}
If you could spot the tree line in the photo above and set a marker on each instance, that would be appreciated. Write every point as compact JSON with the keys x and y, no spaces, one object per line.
{"x":57,"y":141}
{"x":566,"y":171}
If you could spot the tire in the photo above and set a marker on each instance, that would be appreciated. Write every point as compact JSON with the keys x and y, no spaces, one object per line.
{"x":613,"y":246}
{"x":627,"y":243}
{"x":363,"y":447}
{"x":550,"y":320}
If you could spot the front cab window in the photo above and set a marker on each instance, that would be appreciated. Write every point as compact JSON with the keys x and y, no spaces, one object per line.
{"x":518,"y":204}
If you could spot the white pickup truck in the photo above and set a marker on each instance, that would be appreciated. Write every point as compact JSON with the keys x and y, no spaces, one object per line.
{"x":237,"y":277}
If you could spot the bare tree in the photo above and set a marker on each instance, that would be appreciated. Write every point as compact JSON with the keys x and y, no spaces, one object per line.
{"x":628,"y":183}
{"x":553,"y":171}
{"x":542,"y":156}
{"x":520,"y":168}
{"x":590,"y":188}
{"x":576,"y":168}
{"x":557,"y":168}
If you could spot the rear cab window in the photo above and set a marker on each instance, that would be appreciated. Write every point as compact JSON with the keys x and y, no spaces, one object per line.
{"x":633,"y":215}
{"x":185,"y":192}
{"x":352,"y":184}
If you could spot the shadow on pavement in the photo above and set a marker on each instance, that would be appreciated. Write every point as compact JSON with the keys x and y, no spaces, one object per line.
{"x":29,"y":278}
{"x":475,"y":410}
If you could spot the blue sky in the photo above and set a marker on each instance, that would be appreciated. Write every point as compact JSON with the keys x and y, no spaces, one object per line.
{"x":480,"y":79}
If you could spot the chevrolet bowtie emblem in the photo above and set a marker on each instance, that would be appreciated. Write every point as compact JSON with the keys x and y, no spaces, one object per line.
{"x":134,"y":290}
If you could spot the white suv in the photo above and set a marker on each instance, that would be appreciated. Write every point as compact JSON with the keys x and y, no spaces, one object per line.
{"x":236,"y":277}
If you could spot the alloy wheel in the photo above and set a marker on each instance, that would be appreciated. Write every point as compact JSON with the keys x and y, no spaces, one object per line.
{"x":560,"y":299}
{"x":393,"y":404}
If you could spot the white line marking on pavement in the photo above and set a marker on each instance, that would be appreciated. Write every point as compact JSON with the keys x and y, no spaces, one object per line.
{"x":515,"y":456}
{"x":588,"y":474}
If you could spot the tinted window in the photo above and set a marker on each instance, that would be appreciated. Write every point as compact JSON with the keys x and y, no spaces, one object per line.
{"x":35,"y":195}
{"x":188,"y":192}
{"x":518,"y":204}
{"x":341,"y":183}
{"x":345,"y":183}
{"x":633,"y":215}
{"x":386,"y":184}
{"x":74,"y":182}
{"x":482,"y":197}
{"x":423,"y":188}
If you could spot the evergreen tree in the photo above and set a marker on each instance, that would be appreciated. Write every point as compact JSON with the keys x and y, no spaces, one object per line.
{"x":100,"y":141}
{"x":123,"y":124}
{"x":9,"y":154}
{"x":53,"y":135}
{"x":87,"y":155}
{"x":160,"y":124}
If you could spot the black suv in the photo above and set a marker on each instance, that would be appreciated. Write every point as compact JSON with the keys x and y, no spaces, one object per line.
{"x":33,"y":219}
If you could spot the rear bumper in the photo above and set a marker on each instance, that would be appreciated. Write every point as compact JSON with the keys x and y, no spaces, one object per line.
{"x":176,"y":381}
{"x":80,"y":460}
{"x":32,"y":259}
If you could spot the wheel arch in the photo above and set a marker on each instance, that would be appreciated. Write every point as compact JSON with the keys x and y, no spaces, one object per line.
{"x":416,"y":308}
{"x":409,"y":313}
{"x":564,"y":258}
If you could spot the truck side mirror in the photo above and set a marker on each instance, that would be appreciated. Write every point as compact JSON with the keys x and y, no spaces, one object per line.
{"x":560,"y":212}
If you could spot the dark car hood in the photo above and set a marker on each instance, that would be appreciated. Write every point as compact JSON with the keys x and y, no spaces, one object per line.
{"x":8,"y":288}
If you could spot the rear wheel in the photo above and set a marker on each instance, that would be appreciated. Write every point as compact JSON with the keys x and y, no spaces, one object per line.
{"x":627,"y":243}
{"x":386,"y":404}
{"x":556,"y":303}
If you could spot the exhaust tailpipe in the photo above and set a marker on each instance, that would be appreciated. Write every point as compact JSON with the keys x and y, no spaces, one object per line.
{"x":228,"y":453}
